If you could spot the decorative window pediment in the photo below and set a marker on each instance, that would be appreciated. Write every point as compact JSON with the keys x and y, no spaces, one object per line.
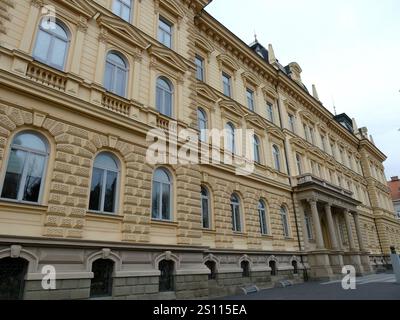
{"x":250,"y":79}
{"x":232,"y":107}
{"x":205,"y":92}
{"x":276,"y":132}
{"x":123,"y":29}
{"x":226,"y":61}
{"x":83,"y":7}
{"x":299,"y":142}
{"x":256,"y":121}
{"x":269,"y":94}
{"x":170,"y":6}
{"x":204,"y":45}
{"x":165,"y":57}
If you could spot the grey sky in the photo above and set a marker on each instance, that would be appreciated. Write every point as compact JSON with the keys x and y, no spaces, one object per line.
{"x":350,"y":49}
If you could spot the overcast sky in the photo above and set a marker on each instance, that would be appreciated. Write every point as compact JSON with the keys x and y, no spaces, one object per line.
{"x":350,"y":49}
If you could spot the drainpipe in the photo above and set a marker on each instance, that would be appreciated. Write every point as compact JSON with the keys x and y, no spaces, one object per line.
{"x":305,"y":274}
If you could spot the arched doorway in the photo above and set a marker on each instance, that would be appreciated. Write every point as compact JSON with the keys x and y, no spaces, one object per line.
{"x":167,"y":279}
{"x":213,"y":268}
{"x":102,"y":282}
{"x":272,"y":265}
{"x":12,"y":278}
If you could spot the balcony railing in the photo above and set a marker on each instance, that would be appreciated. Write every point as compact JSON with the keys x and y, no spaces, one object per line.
{"x":46,"y":76}
{"x":115,"y":104}
{"x":309,"y":178}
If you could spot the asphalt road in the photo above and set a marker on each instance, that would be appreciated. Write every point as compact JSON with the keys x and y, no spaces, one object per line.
{"x":372,"y":287}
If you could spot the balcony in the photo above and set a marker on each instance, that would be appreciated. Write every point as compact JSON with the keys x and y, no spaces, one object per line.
{"x":309,"y":179}
{"x":46,"y":76}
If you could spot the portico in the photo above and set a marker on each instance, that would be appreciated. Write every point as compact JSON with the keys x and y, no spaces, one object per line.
{"x":331,"y":228}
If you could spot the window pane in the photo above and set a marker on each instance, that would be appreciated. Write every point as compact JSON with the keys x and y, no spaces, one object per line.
{"x":155,"y":201}
{"x":13,"y":176}
{"x":31,"y":141}
{"x":237,"y":215}
{"x":106,"y":161}
{"x":205,"y":213}
{"x":126,"y":13}
{"x":111,"y":188}
{"x":33,"y":178}
{"x":108,"y":78}
{"x":168,"y":104}
{"x":96,"y":189}
{"x":166,"y":206}
{"x":120,"y":84}
{"x":159,"y":99}
{"x":116,"y":7}
{"x":42,"y":45}
{"x":58,"y":53}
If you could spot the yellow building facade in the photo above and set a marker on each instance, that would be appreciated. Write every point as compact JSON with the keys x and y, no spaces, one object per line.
{"x":81,"y":85}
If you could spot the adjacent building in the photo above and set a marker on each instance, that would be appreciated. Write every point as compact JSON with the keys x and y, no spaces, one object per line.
{"x":394,"y":185}
{"x":82,"y":83}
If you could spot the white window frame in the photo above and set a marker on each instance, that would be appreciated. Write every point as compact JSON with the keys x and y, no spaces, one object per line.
{"x":227,"y":84}
{"x":236,"y":214}
{"x":162,"y":32}
{"x":29,"y":152}
{"x":162,"y":107}
{"x":171,"y":193}
{"x":117,"y":67}
{"x":53,"y":36}
{"x":104,"y":182}
{"x":124,"y":5}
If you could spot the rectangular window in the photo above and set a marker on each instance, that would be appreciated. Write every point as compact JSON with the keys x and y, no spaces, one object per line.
{"x":270,"y":112}
{"x":165,"y":32}
{"x":123,"y":8}
{"x":250,"y":99}
{"x":291,"y":123}
{"x":323,"y":142}
{"x":227,"y":84}
{"x":199,"y":68}
{"x":312,"y":136}
{"x":309,"y":227}
{"x":306,"y":132}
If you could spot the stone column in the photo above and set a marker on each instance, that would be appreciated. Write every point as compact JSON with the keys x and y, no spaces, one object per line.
{"x":317,"y":224}
{"x":305,"y":233}
{"x":349,"y":230}
{"x":339,"y":238}
{"x":358,"y":230}
{"x":331,"y":226}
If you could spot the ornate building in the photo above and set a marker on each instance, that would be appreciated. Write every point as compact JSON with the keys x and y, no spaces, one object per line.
{"x":83,"y":82}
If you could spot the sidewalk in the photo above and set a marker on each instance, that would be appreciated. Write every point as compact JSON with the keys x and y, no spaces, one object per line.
{"x":372,"y":287}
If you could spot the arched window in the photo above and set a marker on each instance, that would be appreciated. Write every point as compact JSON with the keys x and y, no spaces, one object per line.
{"x":272,"y":265}
{"x":235,"y":210}
{"x":105,"y":181}
{"x":245,"y":265}
{"x":12,"y":276}
{"x":285,"y":222}
{"x":277,"y":157}
{"x":24,"y":178}
{"x":230,"y":138}
{"x":213,"y":268}
{"x":256,"y":145}
{"x":164,"y":96}
{"x":205,"y":208}
{"x":202,"y":124}
{"x":166,"y":280}
{"x":162,"y":195}
{"x":123,"y":9}
{"x":263,"y":217}
{"x":116,"y":74}
{"x":295,"y":267}
{"x":102,"y":282}
{"x":52,"y":44}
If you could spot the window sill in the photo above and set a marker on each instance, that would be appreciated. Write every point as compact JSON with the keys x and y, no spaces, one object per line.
{"x":239,"y":234}
{"x":7,"y":203}
{"x":267,"y":237}
{"x":103,"y":216}
{"x":164,"y":223}
{"x":209,"y":231}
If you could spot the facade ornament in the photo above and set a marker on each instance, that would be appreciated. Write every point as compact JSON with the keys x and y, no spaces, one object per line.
{"x":82,"y":24}
{"x":103,"y":36}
